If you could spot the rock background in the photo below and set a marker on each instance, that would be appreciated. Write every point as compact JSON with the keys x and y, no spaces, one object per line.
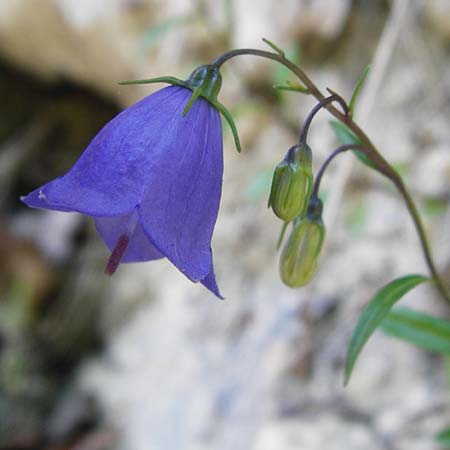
{"x":146,"y":360}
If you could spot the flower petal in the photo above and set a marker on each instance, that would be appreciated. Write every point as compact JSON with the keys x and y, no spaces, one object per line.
{"x":210,"y":283}
{"x":139,"y":247}
{"x":179,"y":209}
{"x":110,"y":176}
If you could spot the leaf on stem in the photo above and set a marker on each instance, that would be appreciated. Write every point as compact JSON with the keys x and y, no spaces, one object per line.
{"x":423,"y":330}
{"x":274,"y":47}
{"x":346,"y":136}
{"x":351,"y":106}
{"x":374,"y":313}
{"x":281,"y":73}
{"x":290,"y":86}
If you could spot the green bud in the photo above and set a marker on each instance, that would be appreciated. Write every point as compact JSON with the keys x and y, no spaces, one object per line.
{"x":292,"y":183}
{"x":299,"y":258}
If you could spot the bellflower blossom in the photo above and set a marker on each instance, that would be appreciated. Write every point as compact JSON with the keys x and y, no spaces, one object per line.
{"x":152,"y":181}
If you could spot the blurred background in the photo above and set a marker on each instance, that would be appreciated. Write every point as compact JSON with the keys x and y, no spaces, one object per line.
{"x":145,"y":360}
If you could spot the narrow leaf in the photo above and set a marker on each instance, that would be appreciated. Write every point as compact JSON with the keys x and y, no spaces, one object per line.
{"x":281,"y":73}
{"x":346,"y":136}
{"x":418,"y":328}
{"x":289,"y":86}
{"x":273,"y":46}
{"x":374,"y":313}
{"x":358,"y":87}
{"x":343,"y":133}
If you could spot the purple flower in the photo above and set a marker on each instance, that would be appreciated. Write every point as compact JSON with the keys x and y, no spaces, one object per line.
{"x":152,"y":181}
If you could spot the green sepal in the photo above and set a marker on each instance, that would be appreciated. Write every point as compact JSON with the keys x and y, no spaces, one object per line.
{"x":169,"y":80}
{"x":281,"y":236}
{"x":226,"y":114}
{"x":196,"y":93}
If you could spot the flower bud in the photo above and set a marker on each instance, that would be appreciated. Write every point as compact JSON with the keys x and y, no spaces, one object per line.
{"x":292,"y":183}
{"x":299,"y":258}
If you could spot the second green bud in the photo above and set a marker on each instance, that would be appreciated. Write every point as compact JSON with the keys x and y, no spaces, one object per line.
{"x":300,"y":255}
{"x":292,"y":183}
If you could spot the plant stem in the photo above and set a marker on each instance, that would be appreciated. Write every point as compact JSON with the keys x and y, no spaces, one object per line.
{"x":315,"y":110}
{"x":334,"y":153}
{"x":367,"y":148}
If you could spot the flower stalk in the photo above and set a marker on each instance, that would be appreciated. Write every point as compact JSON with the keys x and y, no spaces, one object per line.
{"x":326,"y":163}
{"x":367,"y":147}
{"x":322,"y":104}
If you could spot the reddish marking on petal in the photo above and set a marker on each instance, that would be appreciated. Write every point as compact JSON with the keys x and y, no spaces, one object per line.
{"x":116,"y":254}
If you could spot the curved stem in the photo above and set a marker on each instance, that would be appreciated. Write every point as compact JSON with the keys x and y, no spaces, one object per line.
{"x":316,"y":109}
{"x":337,"y":151}
{"x":367,"y":148}
{"x":414,"y":213}
{"x":220,"y":60}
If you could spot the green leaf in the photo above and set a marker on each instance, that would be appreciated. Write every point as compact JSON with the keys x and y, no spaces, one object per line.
{"x":273,"y":46}
{"x":358,"y":87}
{"x":281,"y":73}
{"x":346,"y":136}
{"x":291,"y":86}
{"x":418,"y":328}
{"x":374,"y":313}
{"x":443,"y":437}
{"x":343,"y":133}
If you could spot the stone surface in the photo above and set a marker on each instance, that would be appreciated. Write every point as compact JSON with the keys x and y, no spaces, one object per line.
{"x":438,"y":14}
{"x":100,"y":43}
